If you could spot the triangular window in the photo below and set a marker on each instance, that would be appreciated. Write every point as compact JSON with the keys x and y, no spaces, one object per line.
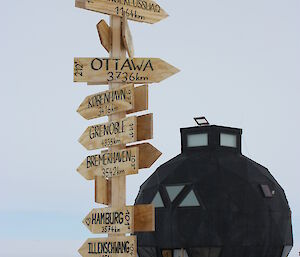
{"x":173,"y":191}
{"x":157,"y":201}
{"x":190,"y":200}
{"x":267,"y":191}
{"x":286,"y":250}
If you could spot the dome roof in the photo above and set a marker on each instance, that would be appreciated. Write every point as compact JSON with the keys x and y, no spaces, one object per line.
{"x":212,"y":198}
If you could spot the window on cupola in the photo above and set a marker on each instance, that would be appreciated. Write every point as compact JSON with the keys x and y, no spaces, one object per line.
{"x":196,"y":140}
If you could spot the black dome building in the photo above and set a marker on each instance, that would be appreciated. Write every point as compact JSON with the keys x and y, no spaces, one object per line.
{"x":212,"y":201}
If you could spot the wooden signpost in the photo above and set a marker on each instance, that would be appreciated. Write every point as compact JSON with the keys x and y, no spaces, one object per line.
{"x":110,"y":167}
{"x":110,"y":220}
{"x":121,"y":246}
{"x":108,"y":102}
{"x":104,"y":33}
{"x":127,"y":38}
{"x":121,"y":162}
{"x":120,"y":220}
{"x":146,"y":11}
{"x":127,"y":70}
{"x":118,"y":132}
{"x":103,"y":190}
{"x":126,"y":98}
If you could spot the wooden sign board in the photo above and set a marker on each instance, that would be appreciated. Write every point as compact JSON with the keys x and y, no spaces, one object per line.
{"x":127,"y":130}
{"x":127,"y":38}
{"x":110,"y":220}
{"x":130,"y":70}
{"x":114,"y":101}
{"x":104,"y":33}
{"x":122,"y":162}
{"x":142,"y":11}
{"x":107,"y":102}
{"x":144,"y":218}
{"x":110,"y":134}
{"x":129,"y":219}
{"x":111,"y":164}
{"x":121,"y":246}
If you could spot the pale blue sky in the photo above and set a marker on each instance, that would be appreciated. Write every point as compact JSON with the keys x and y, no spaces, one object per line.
{"x":239,"y":61}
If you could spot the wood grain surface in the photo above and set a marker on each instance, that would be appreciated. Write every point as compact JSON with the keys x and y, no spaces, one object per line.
{"x":128,"y":70}
{"x":149,"y":11}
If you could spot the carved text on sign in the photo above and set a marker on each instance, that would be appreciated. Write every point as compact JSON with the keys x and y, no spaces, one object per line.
{"x":122,"y":246}
{"x":110,"y":220}
{"x":110,"y":134}
{"x":127,"y":70}
{"x":137,"y":10}
{"x":107,"y":102}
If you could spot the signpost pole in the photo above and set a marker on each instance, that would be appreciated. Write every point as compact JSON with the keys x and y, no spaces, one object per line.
{"x":110,"y":167}
{"x":118,"y":184}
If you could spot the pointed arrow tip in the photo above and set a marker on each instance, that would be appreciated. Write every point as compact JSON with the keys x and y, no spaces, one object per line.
{"x":149,"y":155}
{"x":156,"y":154}
{"x":80,"y":250}
{"x":87,"y":174}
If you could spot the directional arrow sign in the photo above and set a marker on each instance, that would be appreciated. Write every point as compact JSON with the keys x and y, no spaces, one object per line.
{"x":127,"y":38}
{"x":126,"y":98}
{"x":130,"y":70}
{"x":104,"y":33}
{"x":122,"y":162}
{"x":128,"y":219}
{"x":127,"y":130}
{"x":110,"y":220}
{"x":109,"y":134}
{"x":111,"y":164}
{"x":107,"y":103}
{"x":142,"y":11}
{"x":121,"y":246}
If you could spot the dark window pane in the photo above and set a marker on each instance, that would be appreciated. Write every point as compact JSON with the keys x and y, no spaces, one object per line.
{"x":227,"y":140}
{"x":266,"y":190}
{"x":286,"y":250}
{"x":157,"y":201}
{"x":195,"y":140}
{"x":173,"y":191}
{"x":190,"y":200}
{"x":147,"y":251}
